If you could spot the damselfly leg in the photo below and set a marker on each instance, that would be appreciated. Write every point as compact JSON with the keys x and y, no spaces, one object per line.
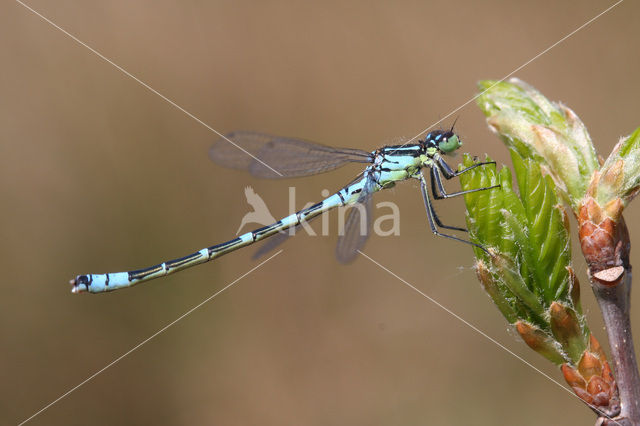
{"x":436,"y":179}
{"x":439,"y":193}
{"x":449,"y":173}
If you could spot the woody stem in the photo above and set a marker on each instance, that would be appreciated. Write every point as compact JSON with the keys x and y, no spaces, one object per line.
{"x":614,"y":304}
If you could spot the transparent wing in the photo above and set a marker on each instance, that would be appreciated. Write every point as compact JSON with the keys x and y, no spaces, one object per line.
{"x":279,"y":238}
{"x":271,"y":244}
{"x":357,"y":226}
{"x":267,"y":156}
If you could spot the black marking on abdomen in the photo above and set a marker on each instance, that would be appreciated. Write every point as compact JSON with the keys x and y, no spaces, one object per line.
{"x":341,"y":197}
{"x":143,"y":273}
{"x":179,"y":262}
{"x":106,"y":281}
{"x":313,"y":208}
{"x":261,"y":231}
{"x":84,"y":280}
{"x":220,"y":247}
{"x":303,"y":214}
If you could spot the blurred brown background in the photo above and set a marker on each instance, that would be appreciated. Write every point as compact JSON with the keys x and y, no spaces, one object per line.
{"x":99,"y":174}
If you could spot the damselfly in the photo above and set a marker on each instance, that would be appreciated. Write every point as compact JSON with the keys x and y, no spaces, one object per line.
{"x":266,"y":156}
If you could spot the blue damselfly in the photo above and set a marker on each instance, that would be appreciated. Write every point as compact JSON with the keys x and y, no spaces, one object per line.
{"x":279,"y":157}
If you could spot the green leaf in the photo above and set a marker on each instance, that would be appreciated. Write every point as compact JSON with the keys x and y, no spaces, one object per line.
{"x":528,"y":237}
{"x":620,"y":174}
{"x":538,"y":129}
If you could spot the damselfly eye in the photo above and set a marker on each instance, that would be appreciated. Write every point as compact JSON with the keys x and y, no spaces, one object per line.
{"x":449,"y":142}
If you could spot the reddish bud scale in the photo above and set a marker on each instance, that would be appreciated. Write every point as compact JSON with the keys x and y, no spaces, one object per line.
{"x":604,"y":239}
{"x":592,"y":380}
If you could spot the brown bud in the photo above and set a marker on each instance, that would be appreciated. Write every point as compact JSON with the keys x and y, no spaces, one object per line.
{"x":592,"y":380}
{"x":604,"y":238}
{"x":589,"y":365}
{"x":540,"y":342}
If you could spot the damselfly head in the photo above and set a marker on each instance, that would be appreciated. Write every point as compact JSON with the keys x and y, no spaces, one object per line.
{"x":444,"y":140}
